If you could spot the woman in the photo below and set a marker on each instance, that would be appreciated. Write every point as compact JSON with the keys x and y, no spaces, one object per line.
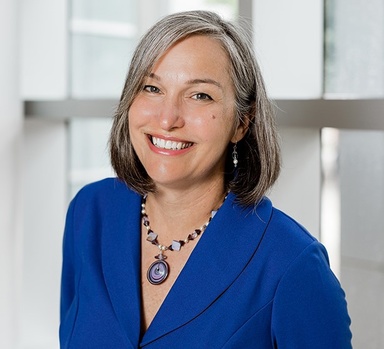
{"x":183,"y":250}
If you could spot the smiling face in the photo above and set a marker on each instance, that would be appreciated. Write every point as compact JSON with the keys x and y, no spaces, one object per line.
{"x":182,"y":121}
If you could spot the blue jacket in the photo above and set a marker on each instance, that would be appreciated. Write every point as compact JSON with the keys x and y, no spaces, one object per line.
{"x":256,"y":279}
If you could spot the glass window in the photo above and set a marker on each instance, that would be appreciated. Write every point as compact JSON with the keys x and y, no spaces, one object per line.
{"x":226,"y":8}
{"x":124,"y":11}
{"x":103,"y":36}
{"x":99,"y":65}
{"x":361,"y":173}
{"x":88,"y":152}
{"x":354,"y":51}
{"x":288,"y":39}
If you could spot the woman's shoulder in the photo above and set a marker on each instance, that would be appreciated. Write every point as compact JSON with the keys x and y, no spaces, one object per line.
{"x":109,"y":191}
{"x":288,"y":228}
{"x":280,"y":228}
{"x":106,"y":186}
{"x":285,"y":238}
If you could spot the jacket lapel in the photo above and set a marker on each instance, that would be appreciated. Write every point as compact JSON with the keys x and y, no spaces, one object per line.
{"x":223,"y":251}
{"x":121,"y":257}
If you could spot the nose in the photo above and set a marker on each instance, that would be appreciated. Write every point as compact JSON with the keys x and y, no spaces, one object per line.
{"x":170,"y":114}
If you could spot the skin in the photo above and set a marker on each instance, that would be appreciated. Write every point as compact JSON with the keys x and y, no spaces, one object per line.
{"x":187,"y":99}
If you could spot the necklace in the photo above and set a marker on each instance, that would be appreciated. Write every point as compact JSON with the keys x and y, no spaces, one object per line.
{"x":158,"y":271}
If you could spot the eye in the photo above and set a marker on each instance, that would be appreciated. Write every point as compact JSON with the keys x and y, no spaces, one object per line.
{"x":202,"y":97}
{"x":151,"y":89}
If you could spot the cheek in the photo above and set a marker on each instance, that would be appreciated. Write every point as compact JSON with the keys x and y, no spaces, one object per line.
{"x":223,"y":124}
{"x":132,"y":114}
{"x":217,"y":131}
{"x":139,"y":112}
{"x":135,"y":121}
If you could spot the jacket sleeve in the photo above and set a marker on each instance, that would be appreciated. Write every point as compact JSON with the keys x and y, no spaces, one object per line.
{"x":310,"y":310}
{"x":69,"y":273}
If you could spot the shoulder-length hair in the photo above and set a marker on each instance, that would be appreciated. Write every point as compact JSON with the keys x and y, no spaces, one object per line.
{"x":258,"y":151}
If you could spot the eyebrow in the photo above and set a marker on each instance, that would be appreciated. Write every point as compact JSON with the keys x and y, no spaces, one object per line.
{"x":191,"y":82}
{"x":203,"y":81}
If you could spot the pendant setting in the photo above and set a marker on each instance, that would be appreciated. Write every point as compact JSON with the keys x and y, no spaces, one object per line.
{"x":158,"y":271}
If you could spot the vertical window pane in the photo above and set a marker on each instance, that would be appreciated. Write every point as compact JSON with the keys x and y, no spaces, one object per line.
{"x":352,"y":225}
{"x":226,"y":8}
{"x":354,"y":48}
{"x":88,"y":152}
{"x":111,"y":10}
{"x":288,"y":39}
{"x":361,"y":161}
{"x":99,"y":65}
{"x":103,"y":36}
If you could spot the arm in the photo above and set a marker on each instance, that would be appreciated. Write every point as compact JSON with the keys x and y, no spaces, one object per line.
{"x":68,"y":265}
{"x":310,"y":310}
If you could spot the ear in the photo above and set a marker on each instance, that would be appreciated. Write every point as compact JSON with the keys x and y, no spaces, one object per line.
{"x":240,"y":130}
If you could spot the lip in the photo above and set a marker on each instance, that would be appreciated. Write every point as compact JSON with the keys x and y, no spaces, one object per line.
{"x":168,"y":145}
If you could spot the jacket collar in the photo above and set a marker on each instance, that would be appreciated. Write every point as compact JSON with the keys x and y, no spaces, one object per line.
{"x":121,"y":257}
{"x":223,"y":251}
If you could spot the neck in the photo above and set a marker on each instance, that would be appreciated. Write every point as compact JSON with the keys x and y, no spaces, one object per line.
{"x":174,"y":213}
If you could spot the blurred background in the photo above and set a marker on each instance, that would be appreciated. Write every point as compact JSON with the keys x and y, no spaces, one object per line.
{"x":62,"y":67}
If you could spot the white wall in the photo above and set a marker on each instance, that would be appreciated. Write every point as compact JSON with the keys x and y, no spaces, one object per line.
{"x":297,"y":191}
{"x":10,"y":170}
{"x":45,"y":199}
{"x":44,"y":49}
{"x":288,"y":40}
{"x":43,"y":67}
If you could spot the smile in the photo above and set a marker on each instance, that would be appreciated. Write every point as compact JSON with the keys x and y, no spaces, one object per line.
{"x":169,"y":145}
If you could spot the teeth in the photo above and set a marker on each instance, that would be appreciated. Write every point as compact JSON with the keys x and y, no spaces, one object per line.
{"x":163,"y":144}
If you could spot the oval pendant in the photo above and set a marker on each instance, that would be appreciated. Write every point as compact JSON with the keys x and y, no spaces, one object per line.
{"x":157,"y":272}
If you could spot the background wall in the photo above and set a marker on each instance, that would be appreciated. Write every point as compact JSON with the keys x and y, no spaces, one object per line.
{"x":45,"y":202}
{"x":291,"y":72}
{"x":11,"y":204}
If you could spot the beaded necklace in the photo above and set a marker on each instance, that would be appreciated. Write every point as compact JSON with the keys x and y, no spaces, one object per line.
{"x":158,"y":271}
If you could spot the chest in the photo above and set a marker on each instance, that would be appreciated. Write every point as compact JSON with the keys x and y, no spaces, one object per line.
{"x":154,"y":295}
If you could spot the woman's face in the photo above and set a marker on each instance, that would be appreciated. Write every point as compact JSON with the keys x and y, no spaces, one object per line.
{"x":182,"y":121}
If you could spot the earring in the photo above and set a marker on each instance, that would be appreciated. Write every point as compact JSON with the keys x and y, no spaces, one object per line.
{"x":235,"y":156}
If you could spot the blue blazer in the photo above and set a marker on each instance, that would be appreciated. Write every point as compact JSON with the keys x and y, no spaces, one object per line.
{"x":256,"y":279}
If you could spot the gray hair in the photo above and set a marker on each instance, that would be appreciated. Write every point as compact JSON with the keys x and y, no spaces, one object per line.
{"x":259,"y":152}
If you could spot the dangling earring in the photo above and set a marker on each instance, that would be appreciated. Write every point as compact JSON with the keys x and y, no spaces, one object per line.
{"x":235,"y":156}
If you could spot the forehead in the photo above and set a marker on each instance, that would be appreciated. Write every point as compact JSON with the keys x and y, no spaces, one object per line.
{"x":197,"y":52}
{"x":200,"y":42}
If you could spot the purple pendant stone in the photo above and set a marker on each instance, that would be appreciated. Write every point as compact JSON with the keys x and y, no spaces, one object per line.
{"x":151,"y":236}
{"x":158,"y":272}
{"x":176,"y":245}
